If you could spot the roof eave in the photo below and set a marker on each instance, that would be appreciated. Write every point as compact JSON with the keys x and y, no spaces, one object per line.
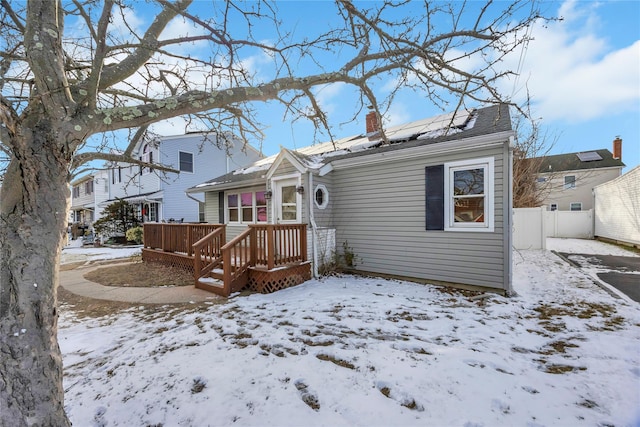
{"x":227,"y":185}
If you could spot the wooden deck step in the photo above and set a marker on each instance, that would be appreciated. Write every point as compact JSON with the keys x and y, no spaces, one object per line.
{"x":210,"y":284}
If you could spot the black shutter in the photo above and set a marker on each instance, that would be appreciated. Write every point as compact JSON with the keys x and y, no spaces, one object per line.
{"x":221,"y":207}
{"x":434,"y":186}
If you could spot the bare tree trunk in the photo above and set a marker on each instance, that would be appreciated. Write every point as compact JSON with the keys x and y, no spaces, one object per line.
{"x":33,"y":216}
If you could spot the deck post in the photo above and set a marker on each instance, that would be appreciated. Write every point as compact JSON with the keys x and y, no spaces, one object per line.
{"x":271,"y":247}
{"x":253,"y":243}
{"x":189,"y":240}
{"x":303,"y":242}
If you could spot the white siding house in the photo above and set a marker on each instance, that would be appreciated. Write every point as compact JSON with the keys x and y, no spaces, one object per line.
{"x":87,"y":193}
{"x":160,"y":196}
{"x":569,"y":179}
{"x":432,"y":202}
{"x":617,"y":208}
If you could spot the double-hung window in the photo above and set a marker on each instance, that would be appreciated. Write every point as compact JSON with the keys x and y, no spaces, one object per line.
{"x":246,"y":207}
{"x":147,"y":157}
{"x":459,"y":196}
{"x":186,"y":161}
{"x":569,"y":182}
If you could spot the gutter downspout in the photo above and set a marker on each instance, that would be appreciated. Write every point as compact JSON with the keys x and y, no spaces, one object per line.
{"x":508,"y":239}
{"x":314,"y":227}
{"x":194,"y":199}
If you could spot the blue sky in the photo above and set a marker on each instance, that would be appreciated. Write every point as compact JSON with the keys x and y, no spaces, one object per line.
{"x":583,"y":74}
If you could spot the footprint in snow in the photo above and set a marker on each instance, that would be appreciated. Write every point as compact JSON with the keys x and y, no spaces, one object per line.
{"x":307,"y":395}
{"x":402,"y":398}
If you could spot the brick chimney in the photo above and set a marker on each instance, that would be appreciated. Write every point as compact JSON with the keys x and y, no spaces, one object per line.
{"x":617,"y":148}
{"x":373,"y":125}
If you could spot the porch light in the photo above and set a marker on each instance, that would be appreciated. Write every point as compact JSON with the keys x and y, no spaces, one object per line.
{"x":268,"y":194}
{"x":300,"y":189}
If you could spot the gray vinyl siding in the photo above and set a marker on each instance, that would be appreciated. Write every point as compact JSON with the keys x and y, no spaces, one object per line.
{"x":285,"y":168}
{"x":323,"y":217}
{"x":379,"y":210}
{"x":211,"y":208}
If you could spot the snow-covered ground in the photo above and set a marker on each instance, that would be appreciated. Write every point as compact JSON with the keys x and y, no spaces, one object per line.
{"x":346,"y":351}
{"x":75,"y":252}
{"x":592,"y":247}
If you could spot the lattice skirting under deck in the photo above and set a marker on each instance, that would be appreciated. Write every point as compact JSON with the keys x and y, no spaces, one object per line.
{"x":168,"y":258}
{"x":265,"y":281}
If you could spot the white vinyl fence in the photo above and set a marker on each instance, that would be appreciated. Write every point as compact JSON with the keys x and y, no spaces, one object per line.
{"x":617,"y":205}
{"x":577,"y":224}
{"x":531,"y":226}
{"x":528,"y":228}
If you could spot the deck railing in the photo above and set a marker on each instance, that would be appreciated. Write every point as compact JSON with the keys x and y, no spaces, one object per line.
{"x":280,"y":244}
{"x":208,"y":253}
{"x":265,"y":246}
{"x":176,"y":237}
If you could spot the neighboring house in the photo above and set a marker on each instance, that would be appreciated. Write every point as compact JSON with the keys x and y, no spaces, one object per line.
{"x":160,"y":196}
{"x":431,"y":203}
{"x":87,"y":193}
{"x":617,"y":208}
{"x":569,"y":179}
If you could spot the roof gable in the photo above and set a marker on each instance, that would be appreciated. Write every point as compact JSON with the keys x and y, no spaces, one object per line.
{"x":425,"y":132}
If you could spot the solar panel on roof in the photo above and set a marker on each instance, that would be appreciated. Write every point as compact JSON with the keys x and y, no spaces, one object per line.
{"x":589,"y":156}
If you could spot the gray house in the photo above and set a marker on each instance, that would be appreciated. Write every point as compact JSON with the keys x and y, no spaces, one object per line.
{"x":431,"y":202}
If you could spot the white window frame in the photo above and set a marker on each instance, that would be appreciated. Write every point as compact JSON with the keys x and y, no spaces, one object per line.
{"x":275,"y":183}
{"x":116,"y":175}
{"x":575,"y":203}
{"x":147,"y":157}
{"x":193,"y":162}
{"x":254,"y":207}
{"x":325,"y":199}
{"x":486,"y":163}
{"x":571,"y":185}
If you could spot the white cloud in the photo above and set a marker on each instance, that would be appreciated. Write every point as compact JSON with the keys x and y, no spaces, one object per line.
{"x":573,"y":73}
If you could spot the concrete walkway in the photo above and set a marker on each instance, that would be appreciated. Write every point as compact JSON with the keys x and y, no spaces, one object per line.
{"x":74,"y":281}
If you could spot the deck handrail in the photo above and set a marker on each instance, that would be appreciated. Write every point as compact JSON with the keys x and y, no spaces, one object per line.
{"x":237,"y":256}
{"x":207,"y":253}
{"x":280,"y":244}
{"x":175,"y":237}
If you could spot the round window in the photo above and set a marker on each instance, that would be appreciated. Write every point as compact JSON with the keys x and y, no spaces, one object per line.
{"x":321,"y":196}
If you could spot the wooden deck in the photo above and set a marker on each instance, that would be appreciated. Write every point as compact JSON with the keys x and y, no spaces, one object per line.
{"x":264,"y":258}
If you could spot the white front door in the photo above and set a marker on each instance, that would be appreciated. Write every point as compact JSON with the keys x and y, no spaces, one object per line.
{"x":287,"y":202}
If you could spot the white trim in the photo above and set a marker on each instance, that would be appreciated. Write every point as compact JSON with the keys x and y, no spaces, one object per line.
{"x":446,"y":147}
{"x":325,"y":201}
{"x":564,"y":182}
{"x":254,"y":206}
{"x":486,"y":163}
{"x":285,"y":154}
{"x":275,"y":198}
{"x":193,"y":162}
{"x":575,"y":203}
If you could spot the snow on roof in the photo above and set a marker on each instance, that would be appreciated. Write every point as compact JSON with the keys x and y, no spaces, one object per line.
{"x":315,"y":156}
{"x":262,"y":164}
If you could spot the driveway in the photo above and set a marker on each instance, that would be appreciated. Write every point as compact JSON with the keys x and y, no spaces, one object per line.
{"x":620,"y":272}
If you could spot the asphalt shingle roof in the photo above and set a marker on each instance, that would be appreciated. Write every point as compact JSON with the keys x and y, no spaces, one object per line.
{"x":571,"y":161}
{"x":448,"y":127}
